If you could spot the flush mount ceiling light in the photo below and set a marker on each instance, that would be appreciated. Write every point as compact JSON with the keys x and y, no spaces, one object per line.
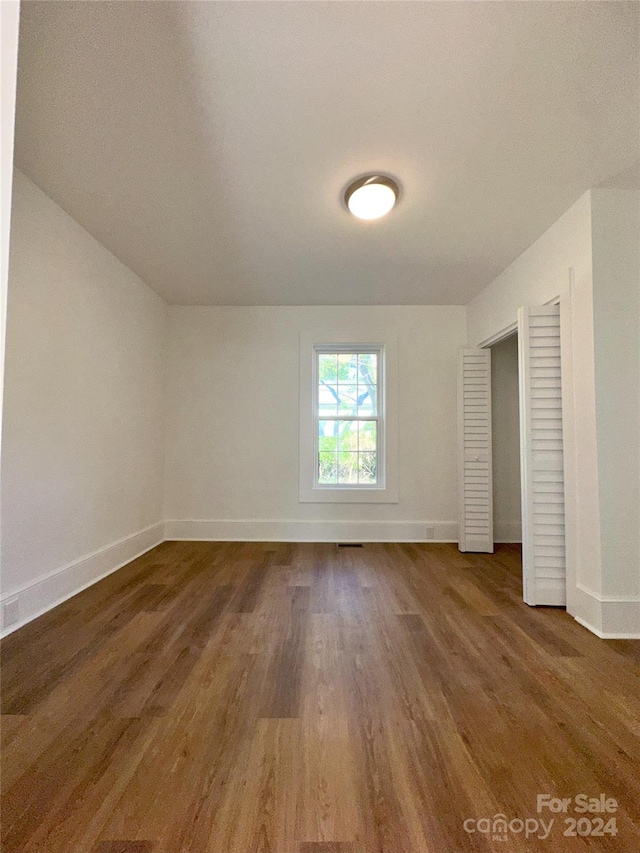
{"x":371,"y":197}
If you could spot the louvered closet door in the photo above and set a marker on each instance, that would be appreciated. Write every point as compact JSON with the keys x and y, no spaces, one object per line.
{"x":542,"y":462}
{"x":475,"y":487}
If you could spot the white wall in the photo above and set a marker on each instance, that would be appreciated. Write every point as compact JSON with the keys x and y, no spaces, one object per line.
{"x":232,"y":428}
{"x":538,"y":275}
{"x":9,"y":20}
{"x":560,"y":261}
{"x":82,"y":467}
{"x":616,"y":297}
{"x":590,"y":253}
{"x":507,"y":520}
{"x":82,"y":463}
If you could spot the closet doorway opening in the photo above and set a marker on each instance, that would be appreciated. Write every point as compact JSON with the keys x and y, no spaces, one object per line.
{"x":540,"y":438}
{"x":505,"y":443}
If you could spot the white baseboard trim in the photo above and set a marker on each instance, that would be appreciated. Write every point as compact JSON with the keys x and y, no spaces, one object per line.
{"x":507,"y":532}
{"x":608,"y":617}
{"x":259,"y":530}
{"x":47,"y":591}
{"x":609,"y":635}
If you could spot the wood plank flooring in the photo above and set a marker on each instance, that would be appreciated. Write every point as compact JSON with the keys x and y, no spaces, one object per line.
{"x":250,"y":697}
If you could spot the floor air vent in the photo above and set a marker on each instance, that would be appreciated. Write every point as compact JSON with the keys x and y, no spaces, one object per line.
{"x":349,"y":545}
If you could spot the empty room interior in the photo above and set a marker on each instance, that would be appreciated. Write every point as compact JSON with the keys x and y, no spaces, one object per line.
{"x":320,"y":457}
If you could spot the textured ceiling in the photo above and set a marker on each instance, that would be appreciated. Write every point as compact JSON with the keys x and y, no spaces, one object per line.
{"x":207,"y":144}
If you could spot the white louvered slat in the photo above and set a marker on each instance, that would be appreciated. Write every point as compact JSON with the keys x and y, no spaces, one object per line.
{"x":475,"y":503}
{"x":544,"y":567}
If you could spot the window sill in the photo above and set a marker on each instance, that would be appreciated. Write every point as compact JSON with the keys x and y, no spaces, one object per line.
{"x":349,"y":496}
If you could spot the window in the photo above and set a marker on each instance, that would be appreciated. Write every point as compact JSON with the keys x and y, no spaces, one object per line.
{"x":348,"y":419}
{"x":349,"y":413}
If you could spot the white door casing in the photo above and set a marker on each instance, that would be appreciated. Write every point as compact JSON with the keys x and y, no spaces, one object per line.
{"x":475,"y":477}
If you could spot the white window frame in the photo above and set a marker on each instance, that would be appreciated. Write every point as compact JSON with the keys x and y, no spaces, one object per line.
{"x":384,"y":343}
{"x":328,"y":349}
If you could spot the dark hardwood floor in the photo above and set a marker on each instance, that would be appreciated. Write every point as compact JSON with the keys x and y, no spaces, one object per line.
{"x":246,"y":697}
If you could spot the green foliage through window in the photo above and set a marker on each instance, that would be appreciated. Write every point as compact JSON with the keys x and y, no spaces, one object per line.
{"x":347,"y":408}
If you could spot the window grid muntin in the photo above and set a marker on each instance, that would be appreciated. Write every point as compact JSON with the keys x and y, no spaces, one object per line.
{"x":345,"y":349}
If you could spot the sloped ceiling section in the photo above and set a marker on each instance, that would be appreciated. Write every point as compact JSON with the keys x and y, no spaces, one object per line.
{"x":207,"y":144}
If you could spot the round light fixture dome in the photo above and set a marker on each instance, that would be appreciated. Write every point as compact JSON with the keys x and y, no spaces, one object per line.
{"x":371,"y":197}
